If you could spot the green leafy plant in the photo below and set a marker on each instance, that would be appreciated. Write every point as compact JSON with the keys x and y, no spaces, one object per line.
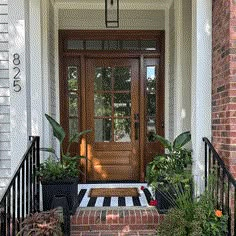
{"x":41,"y":224}
{"x":174,"y":166}
{"x":193,"y":216}
{"x":68,"y":167}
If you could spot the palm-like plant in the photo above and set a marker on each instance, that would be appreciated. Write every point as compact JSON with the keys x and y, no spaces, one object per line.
{"x":67,"y":167}
{"x":172,"y":167}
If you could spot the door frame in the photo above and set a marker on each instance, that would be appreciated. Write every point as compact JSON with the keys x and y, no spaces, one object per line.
{"x":80,"y":57}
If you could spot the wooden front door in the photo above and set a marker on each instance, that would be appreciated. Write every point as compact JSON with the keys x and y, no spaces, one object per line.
{"x":112,"y":101}
{"x":113,"y":84}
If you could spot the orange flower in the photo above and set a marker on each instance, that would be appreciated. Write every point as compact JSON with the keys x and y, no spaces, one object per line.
{"x":218,"y":213}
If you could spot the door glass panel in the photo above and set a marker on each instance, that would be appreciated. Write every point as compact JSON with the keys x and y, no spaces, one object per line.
{"x":72,"y":78}
{"x":122,"y":76}
{"x":122,"y":104}
{"x":73,"y":126}
{"x":73,"y":104}
{"x":151,"y":104}
{"x":151,"y":79}
{"x":103,"y":130}
{"x":75,"y":44}
{"x":102,"y":104}
{"x":94,"y":45}
{"x":112,"y":104}
{"x":151,"y":129}
{"x":103,"y":79}
{"x":148,"y":45}
{"x":111,"y":45}
{"x":122,"y":130}
{"x":131,"y":45}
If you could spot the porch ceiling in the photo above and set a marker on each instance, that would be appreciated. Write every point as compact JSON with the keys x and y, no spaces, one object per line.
{"x":124,"y":4}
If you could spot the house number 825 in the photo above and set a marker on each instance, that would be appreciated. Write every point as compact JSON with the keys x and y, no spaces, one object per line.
{"x":16,"y":78}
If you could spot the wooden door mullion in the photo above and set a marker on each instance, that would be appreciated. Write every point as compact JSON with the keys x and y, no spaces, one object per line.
{"x":112,"y":105}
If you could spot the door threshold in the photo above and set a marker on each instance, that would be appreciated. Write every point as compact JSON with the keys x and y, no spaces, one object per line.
{"x":114,"y":181}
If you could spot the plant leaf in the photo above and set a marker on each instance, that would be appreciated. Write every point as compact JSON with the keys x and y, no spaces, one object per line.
{"x":58,"y":131}
{"x":77,"y":135}
{"x":166,"y":143}
{"x":52,"y":150}
{"x":182,"y":139}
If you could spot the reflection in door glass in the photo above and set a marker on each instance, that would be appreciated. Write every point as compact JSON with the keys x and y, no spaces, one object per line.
{"x":73,"y":126}
{"x":102,"y":104}
{"x":151,"y":79}
{"x":122,"y":76}
{"x":122,"y":104}
{"x":102,"y":79}
{"x":151,"y":129}
{"x":151,"y":106}
{"x":73,"y":104}
{"x":103,"y":130}
{"x":72,"y":78}
{"x":122,"y":130}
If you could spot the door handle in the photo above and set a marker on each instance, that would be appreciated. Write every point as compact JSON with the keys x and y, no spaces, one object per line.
{"x":136,"y":116}
{"x":136,"y":128}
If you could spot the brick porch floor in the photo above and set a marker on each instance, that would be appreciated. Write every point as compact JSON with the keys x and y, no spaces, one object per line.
{"x":119,"y":221}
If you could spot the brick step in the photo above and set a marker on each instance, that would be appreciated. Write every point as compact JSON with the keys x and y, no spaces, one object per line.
{"x":116,"y":233}
{"x":115,"y":221}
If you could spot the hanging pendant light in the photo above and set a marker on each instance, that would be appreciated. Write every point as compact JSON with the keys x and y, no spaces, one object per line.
{"x":112,"y":13}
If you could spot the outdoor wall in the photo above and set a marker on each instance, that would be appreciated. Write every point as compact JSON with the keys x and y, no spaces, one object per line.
{"x":224,"y":81}
{"x":5,"y":144}
{"x":171,"y":69}
{"x":94,"y":19}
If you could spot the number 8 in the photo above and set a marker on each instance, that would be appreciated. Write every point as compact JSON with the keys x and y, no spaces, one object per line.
{"x":16,"y":60}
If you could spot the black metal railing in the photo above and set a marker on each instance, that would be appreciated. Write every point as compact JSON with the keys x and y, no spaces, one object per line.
{"x":22,"y":195}
{"x":224,"y":187}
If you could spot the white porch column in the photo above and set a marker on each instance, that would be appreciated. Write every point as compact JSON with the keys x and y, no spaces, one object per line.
{"x":201,"y":84}
{"x":39,"y":94}
{"x":178,"y":121}
{"x":19,"y":80}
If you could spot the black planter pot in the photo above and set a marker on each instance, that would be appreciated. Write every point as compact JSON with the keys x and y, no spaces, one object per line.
{"x":165,"y":200}
{"x":67,"y":188}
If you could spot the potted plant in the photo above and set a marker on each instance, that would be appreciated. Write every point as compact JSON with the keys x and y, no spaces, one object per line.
{"x":59,"y":176}
{"x":167,"y":170}
{"x":42,"y":223}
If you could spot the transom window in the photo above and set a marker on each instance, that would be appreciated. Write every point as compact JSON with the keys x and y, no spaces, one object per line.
{"x":143,"y":45}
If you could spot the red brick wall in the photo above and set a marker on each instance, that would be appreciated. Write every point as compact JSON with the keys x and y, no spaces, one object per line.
{"x":224,"y":80}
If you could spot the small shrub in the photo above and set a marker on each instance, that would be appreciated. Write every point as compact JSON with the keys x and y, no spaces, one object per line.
{"x":194,"y":217}
{"x":47,"y":223}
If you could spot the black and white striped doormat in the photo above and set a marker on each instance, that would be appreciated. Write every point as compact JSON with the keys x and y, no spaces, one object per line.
{"x":85,"y":201}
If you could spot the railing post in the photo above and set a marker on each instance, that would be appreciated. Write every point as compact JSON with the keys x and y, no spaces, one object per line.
{"x":3,"y":219}
{"x":206,"y":170}
{"x":37,"y":198}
